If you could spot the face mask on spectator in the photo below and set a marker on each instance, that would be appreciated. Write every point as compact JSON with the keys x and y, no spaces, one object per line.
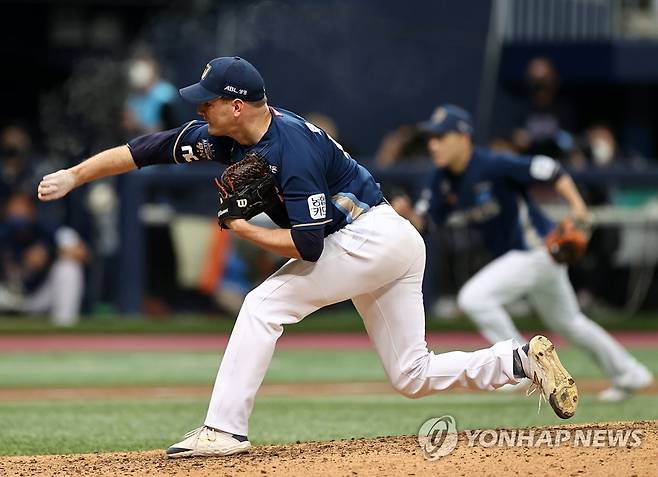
{"x":140,"y":74}
{"x":602,"y":152}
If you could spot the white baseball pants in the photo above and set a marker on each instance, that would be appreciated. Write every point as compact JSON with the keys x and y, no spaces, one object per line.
{"x":61,"y":294}
{"x":536,"y":275}
{"x":378,"y":262}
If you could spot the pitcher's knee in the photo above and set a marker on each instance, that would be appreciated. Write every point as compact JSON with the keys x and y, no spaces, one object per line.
{"x":267,"y":311}
{"x":254,"y":297}
{"x":409,"y":390}
{"x":411,"y":382}
{"x":253,"y":308}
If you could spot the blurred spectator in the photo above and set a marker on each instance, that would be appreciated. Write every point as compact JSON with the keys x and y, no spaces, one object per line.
{"x":151,"y":106}
{"x":502,"y":144}
{"x":151,"y":101}
{"x":597,"y":276}
{"x":403,"y":144}
{"x":16,"y":161}
{"x":328,"y":125}
{"x":40,"y":268}
{"x":325,"y":123}
{"x":545,"y":125}
{"x":599,"y":148}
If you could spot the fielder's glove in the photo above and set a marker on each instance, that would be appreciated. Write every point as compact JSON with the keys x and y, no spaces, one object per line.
{"x":567,"y":242}
{"x":246,"y":189}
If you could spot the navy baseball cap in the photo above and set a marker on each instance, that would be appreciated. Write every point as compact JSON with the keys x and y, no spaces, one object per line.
{"x":226,"y":77}
{"x":448,"y":118}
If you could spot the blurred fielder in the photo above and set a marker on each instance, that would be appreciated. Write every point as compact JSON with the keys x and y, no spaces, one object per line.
{"x":488,"y":189}
{"x":344,"y":240}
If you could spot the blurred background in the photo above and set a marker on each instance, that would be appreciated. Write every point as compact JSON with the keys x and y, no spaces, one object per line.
{"x":573,"y":79}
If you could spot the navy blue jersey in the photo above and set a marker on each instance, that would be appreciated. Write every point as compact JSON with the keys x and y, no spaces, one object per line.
{"x":488,"y":193}
{"x":322,"y":186}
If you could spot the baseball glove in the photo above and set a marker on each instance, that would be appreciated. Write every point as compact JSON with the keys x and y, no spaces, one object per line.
{"x":246,"y":189}
{"x":567,"y":242}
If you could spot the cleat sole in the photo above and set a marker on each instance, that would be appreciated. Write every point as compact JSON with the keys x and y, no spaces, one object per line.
{"x":563,"y":397}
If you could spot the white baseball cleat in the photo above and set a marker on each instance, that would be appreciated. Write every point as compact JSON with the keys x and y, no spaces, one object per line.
{"x":206,"y":441}
{"x":549,"y":376}
{"x":627,"y":384}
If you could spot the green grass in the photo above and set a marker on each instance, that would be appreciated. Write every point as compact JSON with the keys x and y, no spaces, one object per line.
{"x":75,"y":369}
{"x":100,"y":426}
{"x":39,"y":427}
{"x":339,"y":318}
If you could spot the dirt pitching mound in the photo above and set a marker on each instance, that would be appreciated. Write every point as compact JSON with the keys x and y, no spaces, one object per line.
{"x":395,"y":456}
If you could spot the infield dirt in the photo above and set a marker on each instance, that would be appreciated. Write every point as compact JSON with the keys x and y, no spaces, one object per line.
{"x":383,"y":456}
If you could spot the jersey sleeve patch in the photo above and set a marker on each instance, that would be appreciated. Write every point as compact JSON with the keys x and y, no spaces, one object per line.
{"x":317,"y":206}
{"x":189,"y":143}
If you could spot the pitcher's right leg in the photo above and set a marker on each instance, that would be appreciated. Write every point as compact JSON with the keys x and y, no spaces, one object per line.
{"x":395,"y":320}
{"x":394,"y":317}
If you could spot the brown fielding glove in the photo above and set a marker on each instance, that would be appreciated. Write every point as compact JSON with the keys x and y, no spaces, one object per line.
{"x":567,"y":242}
{"x":246,"y":189}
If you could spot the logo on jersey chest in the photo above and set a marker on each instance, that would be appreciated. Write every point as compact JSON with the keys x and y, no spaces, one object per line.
{"x":486,"y":206}
{"x":482,"y":192}
{"x":317,"y":206}
{"x":484,"y":212}
{"x":448,"y":195}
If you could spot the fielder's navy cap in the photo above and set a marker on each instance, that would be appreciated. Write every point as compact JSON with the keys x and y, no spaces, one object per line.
{"x":448,"y":118}
{"x":227,"y":77}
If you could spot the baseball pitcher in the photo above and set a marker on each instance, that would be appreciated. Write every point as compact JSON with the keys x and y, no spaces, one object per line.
{"x":343,"y":239}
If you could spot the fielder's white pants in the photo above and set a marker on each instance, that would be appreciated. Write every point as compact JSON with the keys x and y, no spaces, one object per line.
{"x":536,"y":275}
{"x":378,"y":262}
{"x":61,"y":294}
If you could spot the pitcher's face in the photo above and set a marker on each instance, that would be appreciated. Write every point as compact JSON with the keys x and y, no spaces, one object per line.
{"x":220,"y":114}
